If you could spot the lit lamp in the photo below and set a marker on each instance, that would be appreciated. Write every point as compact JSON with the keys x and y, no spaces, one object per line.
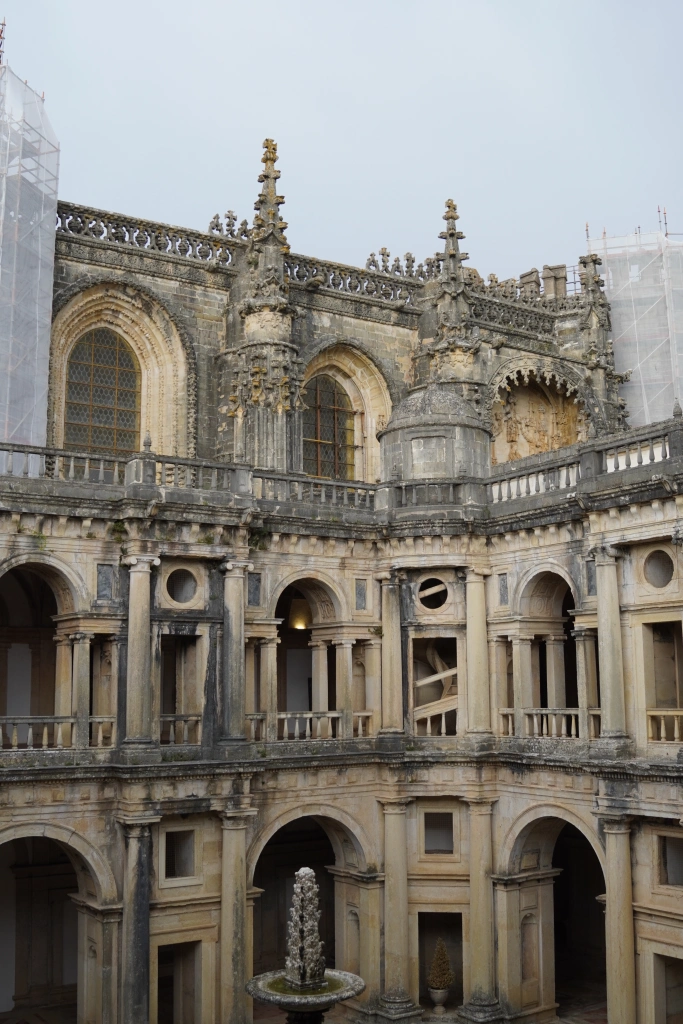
{"x":299,"y":614}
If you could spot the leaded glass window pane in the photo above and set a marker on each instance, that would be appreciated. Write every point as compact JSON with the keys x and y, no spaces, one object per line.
{"x":103,"y":395}
{"x":329,"y":449}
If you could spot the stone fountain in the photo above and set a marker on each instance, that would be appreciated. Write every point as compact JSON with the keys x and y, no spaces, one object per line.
{"x":306,"y":989}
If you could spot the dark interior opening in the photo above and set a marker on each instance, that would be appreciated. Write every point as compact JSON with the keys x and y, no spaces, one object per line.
{"x":579,"y":921}
{"x":302,"y":843}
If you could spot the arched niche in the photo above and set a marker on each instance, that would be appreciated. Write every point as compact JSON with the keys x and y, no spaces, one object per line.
{"x":369,"y":397}
{"x":168,"y":379}
{"x":327,"y":604}
{"x":535,"y":412}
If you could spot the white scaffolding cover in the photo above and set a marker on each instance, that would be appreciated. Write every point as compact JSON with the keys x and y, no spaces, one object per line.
{"x":644,"y":284}
{"x":29,"y":165}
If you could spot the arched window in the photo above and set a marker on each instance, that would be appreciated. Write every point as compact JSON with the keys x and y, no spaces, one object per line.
{"x":102,"y":395}
{"x":329,"y":448}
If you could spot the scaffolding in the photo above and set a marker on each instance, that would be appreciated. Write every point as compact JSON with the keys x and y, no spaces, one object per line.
{"x":29,"y":164}
{"x":643,"y":275}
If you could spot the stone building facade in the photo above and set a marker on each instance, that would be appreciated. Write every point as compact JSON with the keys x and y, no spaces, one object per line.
{"x":359,"y":569}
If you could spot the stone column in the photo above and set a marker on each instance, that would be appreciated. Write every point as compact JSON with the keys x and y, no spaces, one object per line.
{"x":269,"y":685}
{"x":619,"y":931}
{"x":554,"y":660}
{"x":319,"y":681}
{"x":138,"y":667}
{"x":233,"y":947}
{"x":609,"y":644}
{"x":482,"y":1004}
{"x":369,"y":912}
{"x":80,"y":707}
{"x":373,"y":682}
{"x":135,"y":939}
{"x":478,"y":687}
{"x":234,"y":679}
{"x":344,"y":683}
{"x":522,"y":680}
{"x":395,"y":1001}
{"x":63,"y":684}
{"x":498,"y":657}
{"x":392,"y":674}
{"x":586,"y":679}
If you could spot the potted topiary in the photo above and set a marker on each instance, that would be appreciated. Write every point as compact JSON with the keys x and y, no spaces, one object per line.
{"x":440,"y":977}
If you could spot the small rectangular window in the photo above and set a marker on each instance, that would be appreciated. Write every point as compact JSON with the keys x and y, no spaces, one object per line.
{"x":438,"y":833}
{"x":254,"y":589}
{"x":105,"y":582}
{"x":671,"y":859}
{"x":179,"y":854}
{"x":361,"y":595}
{"x":503,"y":588}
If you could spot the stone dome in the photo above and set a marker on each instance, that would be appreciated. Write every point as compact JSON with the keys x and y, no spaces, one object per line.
{"x":433,"y":405}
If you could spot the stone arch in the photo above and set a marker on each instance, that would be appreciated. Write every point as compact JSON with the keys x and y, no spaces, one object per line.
{"x":541,"y":590}
{"x":70,"y":590}
{"x":168,"y":398}
{"x":327,"y":601}
{"x":542,"y":824}
{"x":537,"y":405}
{"x":370,"y":399}
{"x":341,"y":828}
{"x":81,"y":852}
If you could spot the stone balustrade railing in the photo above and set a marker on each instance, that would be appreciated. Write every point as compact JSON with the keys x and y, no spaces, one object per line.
{"x":533,"y":477}
{"x":148,"y":236}
{"x":665,"y":725}
{"x":36,"y":732}
{"x":180,"y":730}
{"x":352,"y":281}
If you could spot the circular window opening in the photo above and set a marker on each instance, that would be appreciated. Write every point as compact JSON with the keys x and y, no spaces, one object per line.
{"x":659,"y":569}
{"x":181,"y":585}
{"x":433,"y":593}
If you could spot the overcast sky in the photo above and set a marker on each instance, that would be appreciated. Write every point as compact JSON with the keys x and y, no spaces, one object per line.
{"x":535,"y":116}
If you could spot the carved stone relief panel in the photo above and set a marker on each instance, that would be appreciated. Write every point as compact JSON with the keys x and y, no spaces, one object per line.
{"x":534,"y":417}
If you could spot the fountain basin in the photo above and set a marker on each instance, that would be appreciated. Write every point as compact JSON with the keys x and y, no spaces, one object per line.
{"x":274,"y":987}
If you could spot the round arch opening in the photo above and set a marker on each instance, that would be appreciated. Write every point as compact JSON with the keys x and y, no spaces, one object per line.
{"x":560,"y":908}
{"x":40,"y":878}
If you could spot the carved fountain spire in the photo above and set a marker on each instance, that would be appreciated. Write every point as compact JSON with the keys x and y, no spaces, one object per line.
{"x":305,"y":963}
{"x":265,"y":389}
{"x":452,"y":293}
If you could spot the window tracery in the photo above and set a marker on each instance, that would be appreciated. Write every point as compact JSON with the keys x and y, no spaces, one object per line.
{"x":329,"y":441}
{"x":102,"y":410}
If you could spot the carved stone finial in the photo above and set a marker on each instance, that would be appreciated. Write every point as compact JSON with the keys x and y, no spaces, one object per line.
{"x":677,"y":411}
{"x":268,"y":221}
{"x":305,"y":963}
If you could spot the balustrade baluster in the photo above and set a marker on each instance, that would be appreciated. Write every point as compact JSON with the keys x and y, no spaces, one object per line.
{"x":100,"y":734}
{"x":29,"y":737}
{"x":564,"y":727}
{"x":677,"y":728}
{"x":651,"y":453}
{"x":518,"y":492}
{"x":46,"y":742}
{"x":112,"y":735}
{"x":443,"y":723}
{"x":26,"y":464}
{"x":72,"y":468}
{"x":10,"y":464}
{"x":60,"y":736}
{"x":527,"y":481}
{"x":429,"y":725}
{"x":508,"y":493}
{"x":568,"y":478}
{"x":662,"y":727}
{"x":627,"y":461}
{"x":665,"y":452}
{"x":500,"y":490}
{"x":186,"y":730}
{"x":451,"y":494}
{"x":175,"y":474}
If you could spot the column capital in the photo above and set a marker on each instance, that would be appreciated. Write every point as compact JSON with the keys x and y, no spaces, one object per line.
{"x":140,"y":563}
{"x":135,"y":827}
{"x":396,"y":805}
{"x":234,"y":820}
{"x":475,"y":574}
{"x":321,"y":644}
{"x":267,"y":641}
{"x":605,"y":554}
{"x":616,"y":824}
{"x":81,"y":638}
{"x":522,"y":638}
{"x":63,"y":639}
{"x":343,"y":642}
{"x":235,"y":568}
{"x":481,"y":804}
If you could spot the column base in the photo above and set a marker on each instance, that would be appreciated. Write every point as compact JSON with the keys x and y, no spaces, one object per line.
{"x":398,"y":1007}
{"x":611,"y":746}
{"x":139,"y":752}
{"x":476,"y":741}
{"x":481,"y":1013}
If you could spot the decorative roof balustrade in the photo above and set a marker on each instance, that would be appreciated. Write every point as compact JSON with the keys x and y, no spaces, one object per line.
{"x":351,"y":281}
{"x":158,"y":239}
